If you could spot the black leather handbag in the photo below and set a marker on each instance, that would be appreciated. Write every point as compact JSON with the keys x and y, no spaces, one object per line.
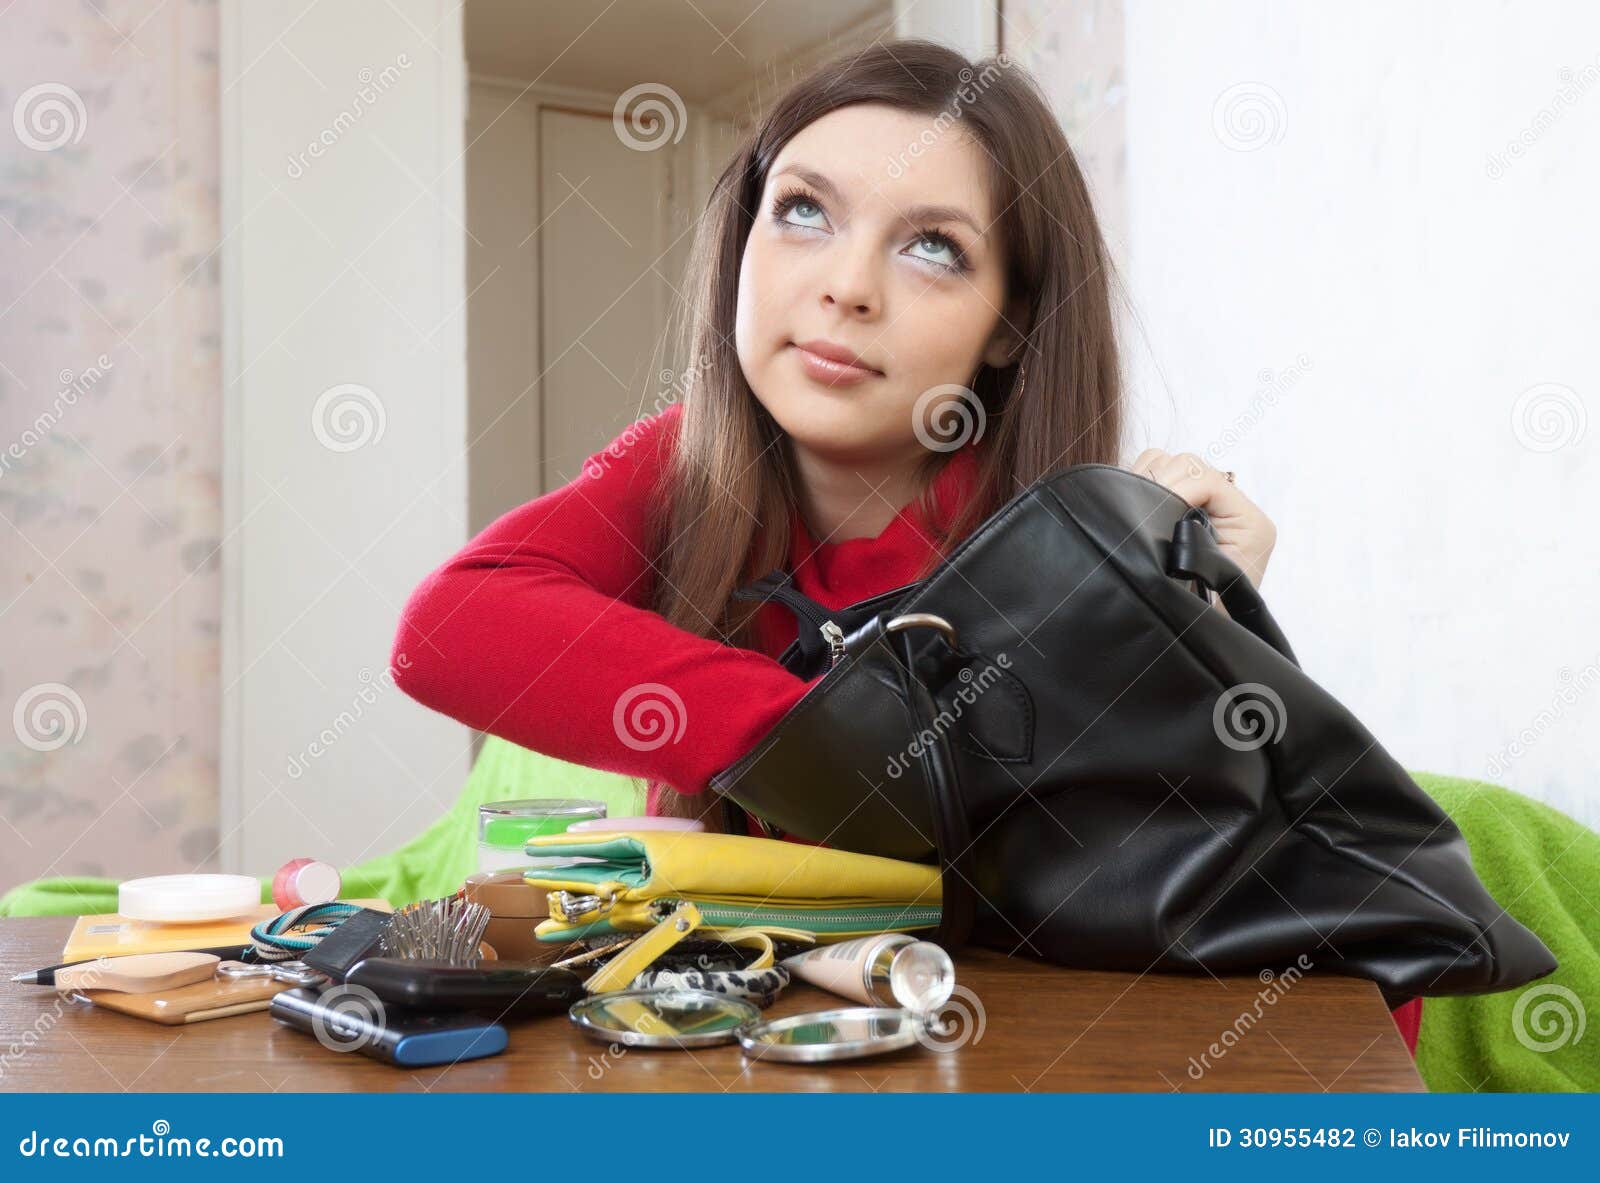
{"x":1111,"y":773}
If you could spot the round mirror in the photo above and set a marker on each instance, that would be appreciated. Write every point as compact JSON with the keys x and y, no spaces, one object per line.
{"x":662,"y":1018}
{"x":843,"y":1034}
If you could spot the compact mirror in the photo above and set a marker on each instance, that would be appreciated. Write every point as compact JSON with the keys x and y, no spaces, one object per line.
{"x":662,"y":1018}
{"x":844,"y":1034}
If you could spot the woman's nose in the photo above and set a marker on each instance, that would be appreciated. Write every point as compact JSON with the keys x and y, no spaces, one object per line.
{"x":852,"y":284}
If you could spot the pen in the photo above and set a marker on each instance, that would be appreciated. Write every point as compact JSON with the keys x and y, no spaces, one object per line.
{"x":47,"y":975}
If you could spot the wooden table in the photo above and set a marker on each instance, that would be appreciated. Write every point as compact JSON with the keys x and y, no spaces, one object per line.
{"x":1044,"y":1029}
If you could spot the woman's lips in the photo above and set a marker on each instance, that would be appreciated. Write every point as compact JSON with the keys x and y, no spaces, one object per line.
{"x":830,"y":372}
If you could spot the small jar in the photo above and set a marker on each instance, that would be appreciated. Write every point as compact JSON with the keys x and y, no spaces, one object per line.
{"x":504,"y":827}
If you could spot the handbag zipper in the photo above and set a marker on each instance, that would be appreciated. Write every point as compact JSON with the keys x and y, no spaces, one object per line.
{"x":834,"y":635}
{"x":822,"y":920}
{"x":803,"y":606}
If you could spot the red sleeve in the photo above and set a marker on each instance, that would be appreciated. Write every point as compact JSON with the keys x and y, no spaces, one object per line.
{"x":1408,"y":1017}
{"x":536,"y":631}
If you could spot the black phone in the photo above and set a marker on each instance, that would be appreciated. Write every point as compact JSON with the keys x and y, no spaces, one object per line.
{"x":500,"y":989}
{"x":343,"y":1019}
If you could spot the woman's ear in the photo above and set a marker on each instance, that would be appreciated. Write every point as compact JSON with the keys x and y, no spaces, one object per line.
{"x":1004,"y":347}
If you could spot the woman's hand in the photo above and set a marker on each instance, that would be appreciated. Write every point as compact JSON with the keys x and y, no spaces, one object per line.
{"x":1245,"y":534}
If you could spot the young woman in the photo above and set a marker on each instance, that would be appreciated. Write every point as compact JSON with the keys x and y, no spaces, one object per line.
{"x":902,"y":317}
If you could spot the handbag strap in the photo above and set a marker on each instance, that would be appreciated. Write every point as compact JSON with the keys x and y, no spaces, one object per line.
{"x":952,"y":831}
{"x":1195,"y":554}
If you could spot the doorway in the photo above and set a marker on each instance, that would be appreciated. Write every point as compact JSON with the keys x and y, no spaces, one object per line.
{"x":586,"y":173}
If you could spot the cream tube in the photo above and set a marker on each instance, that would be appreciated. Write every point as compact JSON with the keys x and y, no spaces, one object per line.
{"x":890,"y":969}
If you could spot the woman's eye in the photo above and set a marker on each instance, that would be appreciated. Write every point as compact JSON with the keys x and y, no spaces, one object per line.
{"x":936,"y":250}
{"x":805,"y":213}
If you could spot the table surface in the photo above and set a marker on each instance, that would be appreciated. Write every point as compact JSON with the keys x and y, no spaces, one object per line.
{"x":1035,"y":1028}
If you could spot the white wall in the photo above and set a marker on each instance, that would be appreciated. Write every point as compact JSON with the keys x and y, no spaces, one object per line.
{"x":1357,"y":297}
{"x":345,"y":416}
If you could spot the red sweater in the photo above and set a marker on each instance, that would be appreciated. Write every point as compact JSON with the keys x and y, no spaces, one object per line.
{"x":539,"y":629}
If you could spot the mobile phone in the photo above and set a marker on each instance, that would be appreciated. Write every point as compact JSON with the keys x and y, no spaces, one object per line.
{"x":347,"y":1019}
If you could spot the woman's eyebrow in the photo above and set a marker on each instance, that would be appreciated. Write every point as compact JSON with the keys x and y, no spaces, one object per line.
{"x":917,"y":214}
{"x":941,"y":213}
{"x":811,"y":177}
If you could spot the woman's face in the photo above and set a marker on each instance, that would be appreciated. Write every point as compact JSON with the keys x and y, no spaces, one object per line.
{"x":864,"y":253}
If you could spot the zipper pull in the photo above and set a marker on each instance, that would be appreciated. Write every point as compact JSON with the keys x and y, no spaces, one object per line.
{"x":834,"y":635}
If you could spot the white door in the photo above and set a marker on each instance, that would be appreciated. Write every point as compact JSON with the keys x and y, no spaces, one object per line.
{"x":604,"y":287}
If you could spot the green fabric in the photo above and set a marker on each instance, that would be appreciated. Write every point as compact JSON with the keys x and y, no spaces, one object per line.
{"x":431,"y":865}
{"x":1538,"y":863}
{"x":1535,"y":861}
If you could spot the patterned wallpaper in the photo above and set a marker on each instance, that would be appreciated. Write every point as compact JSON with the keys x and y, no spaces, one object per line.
{"x":110,"y":438}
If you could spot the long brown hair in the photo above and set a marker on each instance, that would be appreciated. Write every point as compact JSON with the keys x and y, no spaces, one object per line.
{"x":730,"y":485}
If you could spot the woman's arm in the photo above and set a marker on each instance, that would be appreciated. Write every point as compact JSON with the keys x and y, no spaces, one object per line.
{"x":536,"y":632}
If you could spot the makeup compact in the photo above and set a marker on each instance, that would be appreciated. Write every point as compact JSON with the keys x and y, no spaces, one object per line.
{"x":187,"y":899}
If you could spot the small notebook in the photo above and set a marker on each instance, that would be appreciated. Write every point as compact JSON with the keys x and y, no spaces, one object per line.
{"x":112,"y":935}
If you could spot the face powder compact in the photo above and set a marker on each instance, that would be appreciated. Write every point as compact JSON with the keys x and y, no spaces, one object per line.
{"x":845,"y":1034}
{"x":669,"y":1018}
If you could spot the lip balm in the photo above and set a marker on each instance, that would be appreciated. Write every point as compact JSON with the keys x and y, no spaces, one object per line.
{"x":305,"y":881}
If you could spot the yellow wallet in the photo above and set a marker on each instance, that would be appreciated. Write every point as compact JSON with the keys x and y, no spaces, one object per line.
{"x":633,"y":879}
